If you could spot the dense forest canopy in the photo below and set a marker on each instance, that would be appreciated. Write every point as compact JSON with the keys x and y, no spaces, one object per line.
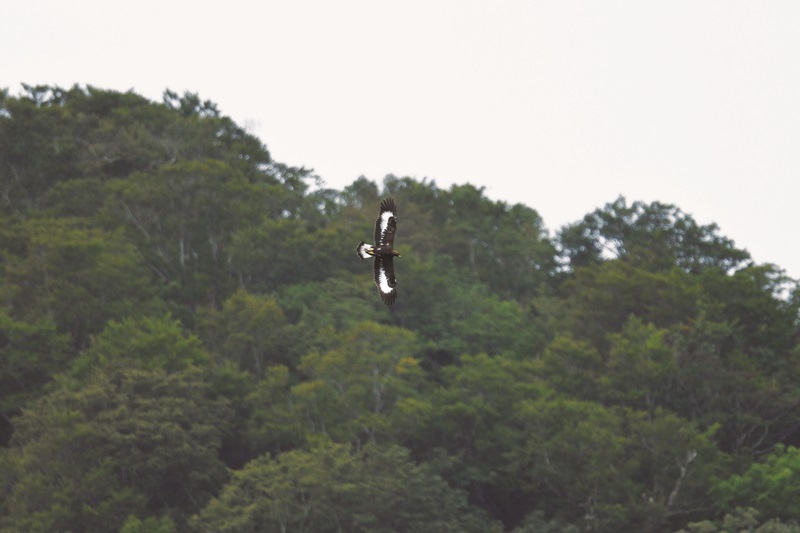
{"x":189,"y":343}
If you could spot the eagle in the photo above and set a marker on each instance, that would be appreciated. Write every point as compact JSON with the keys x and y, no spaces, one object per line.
{"x":383,"y":252}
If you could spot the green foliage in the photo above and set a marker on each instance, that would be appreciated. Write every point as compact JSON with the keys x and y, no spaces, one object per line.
{"x":79,"y":278}
{"x":657,"y":236}
{"x":641,"y":366}
{"x":149,"y":525}
{"x":616,"y":469}
{"x":717,"y":382}
{"x":742,"y":519}
{"x":31,"y":353}
{"x":754,"y":302}
{"x":574,"y":451}
{"x":286,"y":251}
{"x":470,"y":317}
{"x":351,"y":390}
{"x":275,"y":421}
{"x":772,"y":486}
{"x":536,"y":523}
{"x":183,"y":216}
{"x":143,"y":343}
{"x":505,"y":247}
{"x":188,"y":342}
{"x":572,"y":367}
{"x":55,"y":135}
{"x":336,"y":304}
{"x":469,"y":418}
{"x":249,"y":330}
{"x":600,"y":300}
{"x":331,"y":488}
{"x":77,"y":198}
{"x":122,"y":442}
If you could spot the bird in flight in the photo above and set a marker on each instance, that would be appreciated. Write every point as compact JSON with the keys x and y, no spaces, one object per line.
{"x":382,"y":251}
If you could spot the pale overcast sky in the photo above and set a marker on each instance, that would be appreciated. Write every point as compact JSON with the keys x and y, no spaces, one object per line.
{"x":560,"y":105}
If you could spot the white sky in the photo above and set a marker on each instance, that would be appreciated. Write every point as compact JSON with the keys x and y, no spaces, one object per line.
{"x":561,"y":105}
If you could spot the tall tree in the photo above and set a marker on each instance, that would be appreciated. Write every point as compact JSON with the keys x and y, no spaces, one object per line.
{"x":352,"y":388}
{"x":656,"y":235}
{"x":249,"y":330}
{"x":124,"y":442}
{"x":32,"y":352}
{"x":770,"y":486}
{"x":329,"y":488}
{"x":78,"y":278}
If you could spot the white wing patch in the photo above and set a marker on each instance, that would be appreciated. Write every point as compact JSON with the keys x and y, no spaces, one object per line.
{"x":385,"y":216}
{"x":383,"y":282}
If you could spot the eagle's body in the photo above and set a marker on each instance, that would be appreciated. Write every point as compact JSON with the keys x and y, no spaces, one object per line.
{"x":383,"y":252}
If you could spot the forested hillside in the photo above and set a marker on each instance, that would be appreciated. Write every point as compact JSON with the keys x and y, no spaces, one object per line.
{"x":188,"y":342}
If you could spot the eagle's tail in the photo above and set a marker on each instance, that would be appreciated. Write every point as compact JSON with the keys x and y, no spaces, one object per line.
{"x":363,"y":250}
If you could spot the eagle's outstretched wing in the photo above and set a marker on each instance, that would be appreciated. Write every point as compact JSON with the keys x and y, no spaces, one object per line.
{"x":385,"y":280}
{"x":386,"y":225}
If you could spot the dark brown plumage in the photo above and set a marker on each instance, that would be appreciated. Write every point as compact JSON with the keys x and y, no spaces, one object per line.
{"x":383,"y":252}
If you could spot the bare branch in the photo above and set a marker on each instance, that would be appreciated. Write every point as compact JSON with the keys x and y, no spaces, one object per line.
{"x":683,"y":466}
